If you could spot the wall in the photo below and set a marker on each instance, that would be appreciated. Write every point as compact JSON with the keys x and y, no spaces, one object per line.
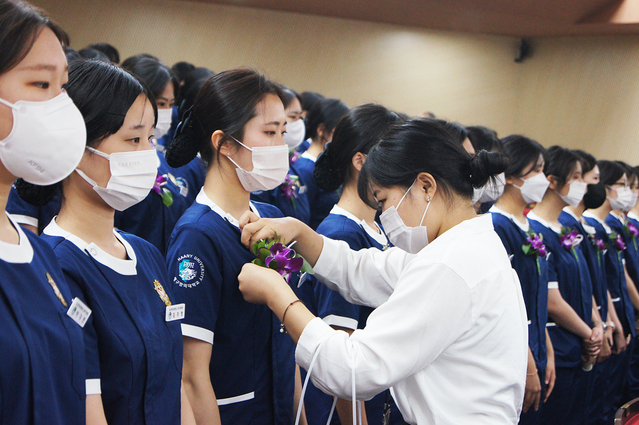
{"x":468,"y":78}
{"x":577,"y":92}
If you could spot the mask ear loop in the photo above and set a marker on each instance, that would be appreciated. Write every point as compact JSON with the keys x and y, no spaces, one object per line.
{"x":426,"y":210}
{"x":402,"y":200}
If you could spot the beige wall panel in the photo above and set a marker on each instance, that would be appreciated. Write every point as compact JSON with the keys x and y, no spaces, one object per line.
{"x":468,"y":78}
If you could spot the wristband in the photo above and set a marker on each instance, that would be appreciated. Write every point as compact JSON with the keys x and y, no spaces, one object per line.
{"x":282,"y":328}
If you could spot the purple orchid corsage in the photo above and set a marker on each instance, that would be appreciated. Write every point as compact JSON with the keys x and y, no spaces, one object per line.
{"x":284,"y":260}
{"x":288,"y":188}
{"x":535,"y":246}
{"x":633,"y":232}
{"x":159,"y":187}
{"x":294,"y":157}
{"x":569,"y":239}
{"x":617,"y":241}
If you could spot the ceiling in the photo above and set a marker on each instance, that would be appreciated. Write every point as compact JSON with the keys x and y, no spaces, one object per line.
{"x":520,"y":18}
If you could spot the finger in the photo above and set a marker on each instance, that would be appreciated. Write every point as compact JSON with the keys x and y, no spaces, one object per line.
{"x":248,"y":230}
{"x":536,"y":404}
{"x":248,"y":217}
{"x":527,"y":401}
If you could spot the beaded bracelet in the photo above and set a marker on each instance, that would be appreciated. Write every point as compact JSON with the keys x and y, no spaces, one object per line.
{"x":282,"y":328}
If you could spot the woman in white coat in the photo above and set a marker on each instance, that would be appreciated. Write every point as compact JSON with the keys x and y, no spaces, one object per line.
{"x":449,"y":330}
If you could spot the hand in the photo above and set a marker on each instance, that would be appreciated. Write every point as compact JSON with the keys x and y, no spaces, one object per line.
{"x":592,"y":345}
{"x":605,"y":347}
{"x":550,"y":375}
{"x":259,"y":284}
{"x":533,"y":392}
{"x":255,"y":229}
{"x":620,"y":341}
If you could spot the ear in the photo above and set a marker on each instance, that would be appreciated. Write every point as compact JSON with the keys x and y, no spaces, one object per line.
{"x":511,"y":180}
{"x":321,"y":131}
{"x":553,"y":182}
{"x":358,"y":161}
{"x":427,"y":183}
{"x":217,"y":140}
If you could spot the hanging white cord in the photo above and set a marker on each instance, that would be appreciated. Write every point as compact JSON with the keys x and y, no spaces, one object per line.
{"x":328,"y":422}
{"x":308,"y":377}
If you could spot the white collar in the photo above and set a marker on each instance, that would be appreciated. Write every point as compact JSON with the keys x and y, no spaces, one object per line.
{"x":633,"y":216}
{"x":621,"y":219}
{"x":523,"y":226}
{"x":205,"y":200}
{"x":587,"y":227}
{"x":118,"y":265}
{"x":603,"y":223}
{"x":309,"y":156}
{"x":20,"y":253}
{"x":379,"y":237}
{"x":533,"y":216}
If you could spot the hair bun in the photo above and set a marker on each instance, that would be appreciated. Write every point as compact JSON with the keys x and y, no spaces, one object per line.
{"x":326,"y":175}
{"x":35,"y":195}
{"x":184,"y":146}
{"x":485,"y":165}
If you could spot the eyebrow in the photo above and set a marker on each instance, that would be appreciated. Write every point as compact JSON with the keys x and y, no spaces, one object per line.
{"x":41,"y":67}
{"x":274,"y":122}
{"x":136,"y":127}
{"x":163,"y":98}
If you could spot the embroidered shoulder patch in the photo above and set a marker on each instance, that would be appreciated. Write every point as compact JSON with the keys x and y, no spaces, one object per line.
{"x":190,"y":271}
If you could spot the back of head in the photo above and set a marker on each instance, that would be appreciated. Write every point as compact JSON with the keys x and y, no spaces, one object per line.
{"x":521,"y":152}
{"x":20,"y":25}
{"x":326,"y":111}
{"x":193,"y":82}
{"x":154,"y":73}
{"x":429,"y":146}
{"x":72,"y":54}
{"x":610,"y":172}
{"x":181,"y":69}
{"x":309,"y":99}
{"x":103,"y":93}
{"x":630,"y":173}
{"x":226,"y":102}
{"x":358,"y":131}
{"x":560,"y":163}
{"x":483,"y":138}
{"x":89,"y":53}
{"x":110,"y":51}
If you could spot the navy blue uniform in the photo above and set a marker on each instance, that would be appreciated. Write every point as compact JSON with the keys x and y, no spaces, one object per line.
{"x":134,"y":356}
{"x":320,"y":201}
{"x":43,"y":368}
{"x":568,"y":272}
{"x":533,"y":277}
{"x":252,"y":364}
{"x":25,"y":213}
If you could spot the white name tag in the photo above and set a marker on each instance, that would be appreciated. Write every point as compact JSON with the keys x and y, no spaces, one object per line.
{"x":79,"y":312}
{"x":175,"y":312}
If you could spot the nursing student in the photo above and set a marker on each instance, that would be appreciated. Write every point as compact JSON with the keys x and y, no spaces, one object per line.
{"x":133,"y":346}
{"x":450,"y":308}
{"x":613,"y":177}
{"x":526,"y":184}
{"x":238,"y":366}
{"x":41,"y":141}
{"x":632,"y":387}
{"x":592,"y":248}
{"x":320,"y":125}
{"x":353,"y":221}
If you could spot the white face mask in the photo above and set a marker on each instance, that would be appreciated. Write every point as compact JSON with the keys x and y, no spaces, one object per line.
{"x":534,"y":188}
{"x":409,"y":239}
{"x":632,"y":202}
{"x":270,"y":166}
{"x":575,"y":193}
{"x":133,"y":175}
{"x":46,"y":141}
{"x":624,"y":197}
{"x":164,"y":122}
{"x":491,"y":191}
{"x":295,"y":132}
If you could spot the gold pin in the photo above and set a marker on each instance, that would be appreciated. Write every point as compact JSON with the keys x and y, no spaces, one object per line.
{"x":161,"y":292}
{"x":56,"y":290}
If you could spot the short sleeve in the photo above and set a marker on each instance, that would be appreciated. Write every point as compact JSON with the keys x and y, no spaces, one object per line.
{"x":195,"y":269}
{"x":553,"y":282}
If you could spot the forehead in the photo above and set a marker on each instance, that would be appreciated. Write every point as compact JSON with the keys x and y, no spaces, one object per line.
{"x":139,"y":115}
{"x":45,"y":54}
{"x":270,"y":109}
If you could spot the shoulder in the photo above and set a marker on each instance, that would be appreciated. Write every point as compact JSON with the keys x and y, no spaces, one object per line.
{"x":267,"y":210}
{"x":566,"y":219}
{"x":337,"y":226}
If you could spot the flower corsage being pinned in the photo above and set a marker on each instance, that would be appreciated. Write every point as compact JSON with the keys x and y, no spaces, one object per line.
{"x":275,"y":255}
{"x":569,"y":239}
{"x":535,"y":246}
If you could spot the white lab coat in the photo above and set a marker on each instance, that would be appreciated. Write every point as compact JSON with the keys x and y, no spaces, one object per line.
{"x":449,"y":332}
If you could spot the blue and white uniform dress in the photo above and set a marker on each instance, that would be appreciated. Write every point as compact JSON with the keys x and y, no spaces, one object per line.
{"x":252,"y":363}
{"x":336,"y":311}
{"x":23,"y":212}
{"x":43,"y":369}
{"x":568,"y":272}
{"x":134,"y":355}
{"x":533,"y":277}
{"x":595,"y":257}
{"x":319,"y":201}
{"x":151,"y":219}
{"x":616,"y":280}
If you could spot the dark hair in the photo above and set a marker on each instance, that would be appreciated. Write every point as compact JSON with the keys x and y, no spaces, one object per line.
{"x":630,"y":172}
{"x":456,"y":129}
{"x":89,"y":53}
{"x":309,"y":98}
{"x":181,"y":70}
{"x":154,"y":73}
{"x":521,"y":151}
{"x":559,"y":162}
{"x":427,"y":145}
{"x":103,"y":93}
{"x":128,"y":61}
{"x":326,"y":111}
{"x":610,"y":172}
{"x":110,"y":51}
{"x":358,"y":131}
{"x":588,"y":162}
{"x":483,"y":138}
{"x":20,"y":26}
{"x":192,"y":84}
{"x":289,"y":95}
{"x":72,"y":54}
{"x":225,"y":102}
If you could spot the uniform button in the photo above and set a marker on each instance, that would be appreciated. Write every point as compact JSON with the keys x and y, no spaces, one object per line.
{"x":93,"y":251}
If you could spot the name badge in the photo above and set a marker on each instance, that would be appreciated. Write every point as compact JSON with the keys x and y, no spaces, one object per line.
{"x":79,"y":312}
{"x":175,"y":312}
